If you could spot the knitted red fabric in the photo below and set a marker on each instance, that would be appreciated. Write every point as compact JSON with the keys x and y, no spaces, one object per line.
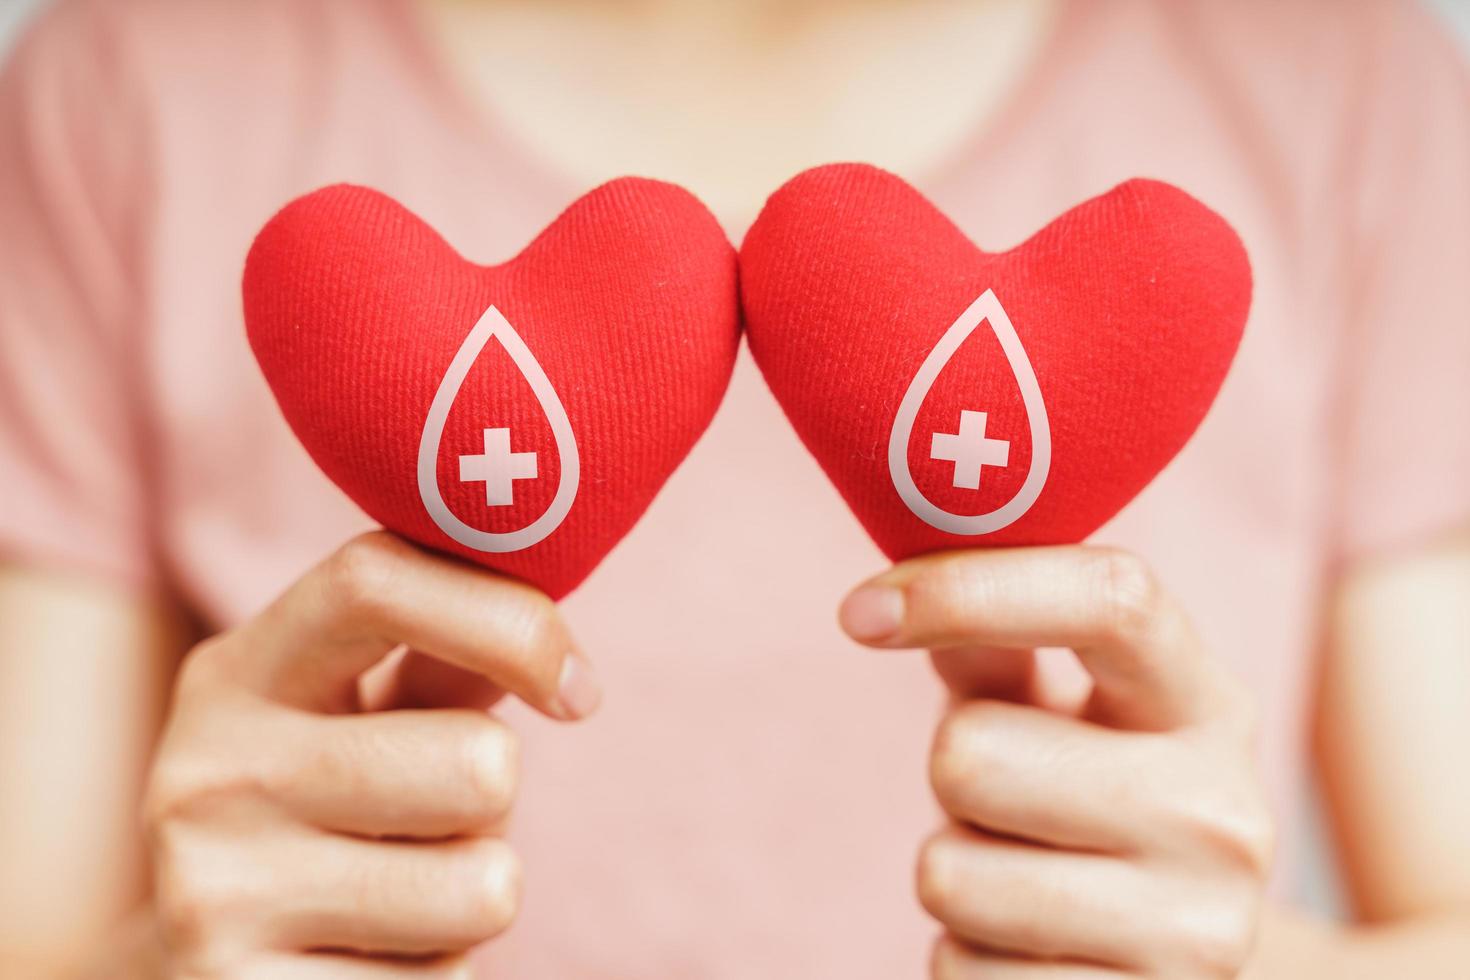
{"x":609,"y":346}
{"x":1128,"y":310}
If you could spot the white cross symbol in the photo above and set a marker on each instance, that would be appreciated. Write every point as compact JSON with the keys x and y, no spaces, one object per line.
{"x":499,"y":468}
{"x":969,"y":450}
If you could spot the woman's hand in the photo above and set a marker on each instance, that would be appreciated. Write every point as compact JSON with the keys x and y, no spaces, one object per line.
{"x":299,"y":830}
{"x":1121,"y":835}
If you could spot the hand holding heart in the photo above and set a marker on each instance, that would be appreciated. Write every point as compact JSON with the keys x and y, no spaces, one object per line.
{"x":305,"y":823}
{"x":1122,"y":836}
{"x":523,"y":416}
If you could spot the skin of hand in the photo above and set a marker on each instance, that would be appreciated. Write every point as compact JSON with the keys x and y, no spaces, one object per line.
{"x":86,"y":665}
{"x":1120,"y":834}
{"x":303,"y":827}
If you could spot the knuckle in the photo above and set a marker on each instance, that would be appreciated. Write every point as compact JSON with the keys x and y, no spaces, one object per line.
{"x":1239,"y":833}
{"x":177,"y":789}
{"x":320,"y":766}
{"x":191,"y":774}
{"x":1260,"y":843}
{"x":534,"y":639}
{"x":164,"y":796}
{"x":534,"y":623}
{"x":205,"y":672}
{"x":189,"y":901}
{"x":1249,"y":841}
{"x":1213,"y":942}
{"x":1131,"y":594}
{"x":200,"y":666}
{"x":983,"y":900}
{"x":947,"y":961}
{"x":359,"y":575}
{"x":947,"y":755}
{"x":494,"y":888}
{"x":965,"y":749}
{"x":489,"y":755}
{"x":935,"y":875}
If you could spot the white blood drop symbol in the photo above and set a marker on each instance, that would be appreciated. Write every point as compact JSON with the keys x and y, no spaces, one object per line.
{"x":511,"y":466}
{"x":969,"y":447}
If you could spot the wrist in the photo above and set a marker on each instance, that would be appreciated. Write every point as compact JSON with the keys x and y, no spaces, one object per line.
{"x":1294,"y":946}
{"x":131,"y":952}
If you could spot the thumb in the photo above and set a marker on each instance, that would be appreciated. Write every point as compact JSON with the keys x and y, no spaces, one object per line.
{"x":987,"y":672}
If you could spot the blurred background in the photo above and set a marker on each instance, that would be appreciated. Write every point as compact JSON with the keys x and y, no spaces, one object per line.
{"x":12,"y":12}
{"x":1317,"y":884}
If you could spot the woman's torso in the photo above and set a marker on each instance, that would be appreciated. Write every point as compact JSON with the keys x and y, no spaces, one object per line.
{"x":749,"y":800}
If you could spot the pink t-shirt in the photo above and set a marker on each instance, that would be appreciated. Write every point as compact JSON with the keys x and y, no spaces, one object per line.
{"x":750,"y":799}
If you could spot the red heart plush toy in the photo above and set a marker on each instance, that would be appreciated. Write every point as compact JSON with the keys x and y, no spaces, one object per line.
{"x":959,"y":398}
{"x":520,"y":415}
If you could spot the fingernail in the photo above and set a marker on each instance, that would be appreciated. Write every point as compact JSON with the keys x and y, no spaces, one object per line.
{"x":873,"y":612}
{"x":577,"y":691}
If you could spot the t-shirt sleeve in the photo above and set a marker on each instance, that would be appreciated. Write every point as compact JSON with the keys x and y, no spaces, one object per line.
{"x":71,"y":187}
{"x":1403,"y":425}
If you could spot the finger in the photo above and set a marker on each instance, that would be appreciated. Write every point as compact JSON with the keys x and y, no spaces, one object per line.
{"x":335,"y":966}
{"x":385,"y":898}
{"x":1003,"y":675}
{"x":1030,"y":774}
{"x":420,"y":681}
{"x":1148,"y":668}
{"x":1049,"y":677}
{"x":418,"y":774}
{"x":378,"y":592}
{"x":1019,"y":898}
{"x":953,"y":960}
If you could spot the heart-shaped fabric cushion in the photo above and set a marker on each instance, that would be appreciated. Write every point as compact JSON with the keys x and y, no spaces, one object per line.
{"x":959,"y":398}
{"x":520,"y":415}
